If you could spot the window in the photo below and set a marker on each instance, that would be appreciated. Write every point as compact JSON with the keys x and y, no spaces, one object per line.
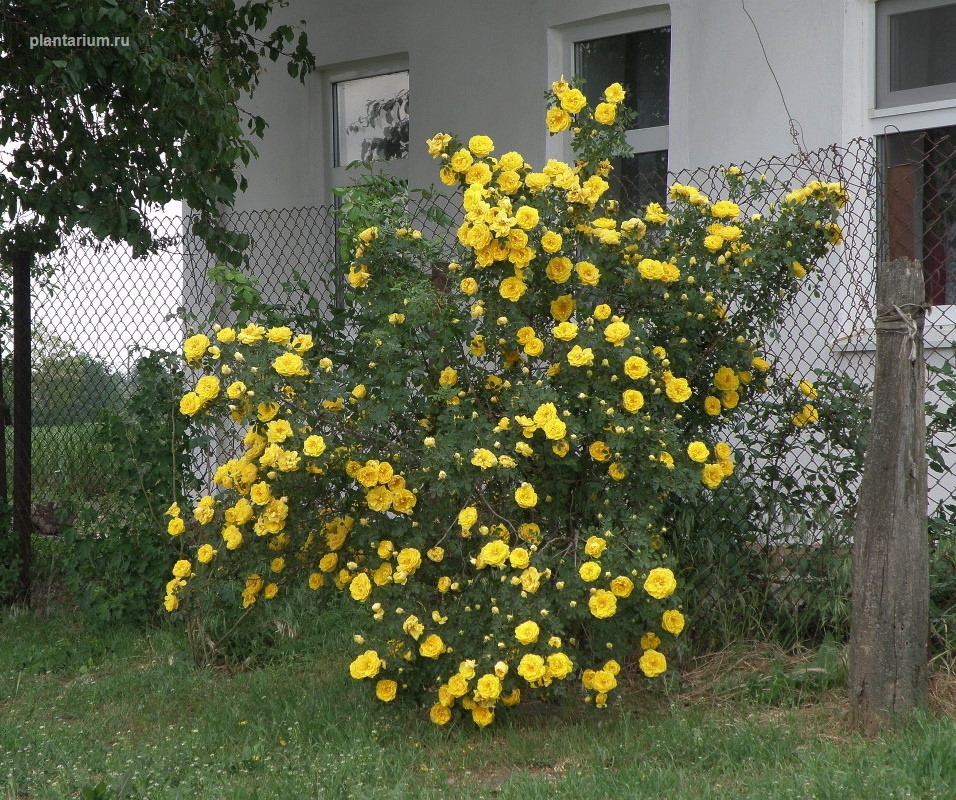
{"x":370,"y":118}
{"x":919,"y":169}
{"x":915,"y":56}
{"x":366,"y":119}
{"x":640,"y":62}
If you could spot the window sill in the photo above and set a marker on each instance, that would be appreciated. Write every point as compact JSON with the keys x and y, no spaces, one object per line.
{"x":937,"y":335}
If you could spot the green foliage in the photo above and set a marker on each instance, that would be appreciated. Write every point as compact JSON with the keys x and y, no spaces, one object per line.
{"x":491,"y":468}
{"x":103,"y":134}
{"x":116,"y":559}
{"x":774,"y":554}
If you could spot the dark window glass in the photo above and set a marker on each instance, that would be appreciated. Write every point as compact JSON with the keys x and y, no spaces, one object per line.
{"x":922,"y":51}
{"x":920,"y":205}
{"x":639,"y":61}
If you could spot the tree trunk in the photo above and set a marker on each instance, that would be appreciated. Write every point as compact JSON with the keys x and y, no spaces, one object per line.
{"x":889,"y":630}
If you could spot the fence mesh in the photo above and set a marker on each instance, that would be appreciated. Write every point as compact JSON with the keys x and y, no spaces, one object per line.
{"x":776,"y":549}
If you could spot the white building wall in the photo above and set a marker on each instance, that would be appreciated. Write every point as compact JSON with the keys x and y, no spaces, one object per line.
{"x":483,"y":69}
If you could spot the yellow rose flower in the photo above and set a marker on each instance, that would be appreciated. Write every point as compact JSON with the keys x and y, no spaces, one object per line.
{"x":432,"y":646}
{"x":195,"y":347}
{"x":519,"y":558}
{"x":636,"y":367}
{"x":437,"y":144}
{"x":602,"y":604}
{"x":206,"y":553}
{"x":614,"y":93}
{"x":655,"y":214}
{"x":479,"y":173}
{"x":573,"y":100}
{"x":622,"y":586}
{"x":526,"y":217}
{"x":632,"y":400}
{"x":653,"y":663}
{"x":313,"y":446}
{"x":525,"y":496}
{"x":603,"y":681}
{"x":439,"y":714}
{"x":617,"y":332}
{"x":289,"y":365}
{"x":175,"y":526}
{"x":461,"y":160}
{"x":559,"y":269}
{"x":480,"y":146}
{"x":182,"y":569}
{"x":562,"y":307}
{"x":672,"y":621}
{"x":527,"y":632}
{"x":726,"y":379}
{"x":697,"y":451}
{"x":605,"y":113}
{"x":190,"y":404}
{"x":366,"y":665}
{"x":467,"y":517}
{"x":360,"y":587}
{"x":565,"y":331}
{"x":599,"y":451}
{"x":512,"y":289}
{"x":385,"y":690}
{"x":557,"y":120}
{"x":488,"y":686}
{"x":660,"y":583}
{"x":712,"y":405}
{"x":448,"y":377}
{"x":616,"y":471}
{"x":651,"y":269}
{"x":532,"y":667}
{"x":725,"y":209}
{"x":581,"y":356}
{"x":551,"y":242}
{"x":587,"y":273}
{"x":251,"y":334}
{"x":678,"y":390}
{"x":409,"y":559}
{"x":469,"y":286}
{"x":590,"y":571}
{"x":492,"y":554}
{"x":805,"y":416}
{"x":559,"y":665}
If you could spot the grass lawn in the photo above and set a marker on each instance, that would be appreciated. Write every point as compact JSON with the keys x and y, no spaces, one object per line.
{"x":125,"y":715}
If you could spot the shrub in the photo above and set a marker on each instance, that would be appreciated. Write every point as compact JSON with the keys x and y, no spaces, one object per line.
{"x":115,"y":559}
{"x":488,"y":468}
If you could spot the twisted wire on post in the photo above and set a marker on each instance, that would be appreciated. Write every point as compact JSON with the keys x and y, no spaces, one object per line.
{"x":895,"y":320}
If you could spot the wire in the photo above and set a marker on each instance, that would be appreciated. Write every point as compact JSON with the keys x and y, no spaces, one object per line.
{"x":796,"y":130}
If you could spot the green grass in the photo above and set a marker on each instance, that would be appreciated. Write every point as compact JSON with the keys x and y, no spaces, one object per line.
{"x":127,"y":710}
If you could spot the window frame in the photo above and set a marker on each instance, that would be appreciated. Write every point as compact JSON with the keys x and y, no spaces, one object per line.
{"x":563,"y":41}
{"x":337,"y":176}
{"x":885,"y":101}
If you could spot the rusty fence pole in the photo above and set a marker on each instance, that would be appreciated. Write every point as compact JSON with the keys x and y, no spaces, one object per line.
{"x":22,"y":421}
{"x":889,"y":630}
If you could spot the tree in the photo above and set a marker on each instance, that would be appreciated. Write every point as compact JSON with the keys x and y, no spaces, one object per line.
{"x":140,"y":107}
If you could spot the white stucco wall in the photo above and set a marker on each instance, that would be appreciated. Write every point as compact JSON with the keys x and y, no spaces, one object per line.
{"x":483,"y":68}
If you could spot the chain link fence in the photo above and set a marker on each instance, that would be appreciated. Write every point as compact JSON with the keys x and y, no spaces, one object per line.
{"x":772,"y":551}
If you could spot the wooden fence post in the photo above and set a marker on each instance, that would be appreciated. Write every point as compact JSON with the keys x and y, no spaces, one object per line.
{"x":889,"y":628}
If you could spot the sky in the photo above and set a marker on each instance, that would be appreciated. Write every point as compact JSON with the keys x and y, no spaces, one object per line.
{"x":107,"y":302}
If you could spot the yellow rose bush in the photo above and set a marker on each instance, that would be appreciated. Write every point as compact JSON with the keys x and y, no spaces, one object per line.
{"x":495,"y":494}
